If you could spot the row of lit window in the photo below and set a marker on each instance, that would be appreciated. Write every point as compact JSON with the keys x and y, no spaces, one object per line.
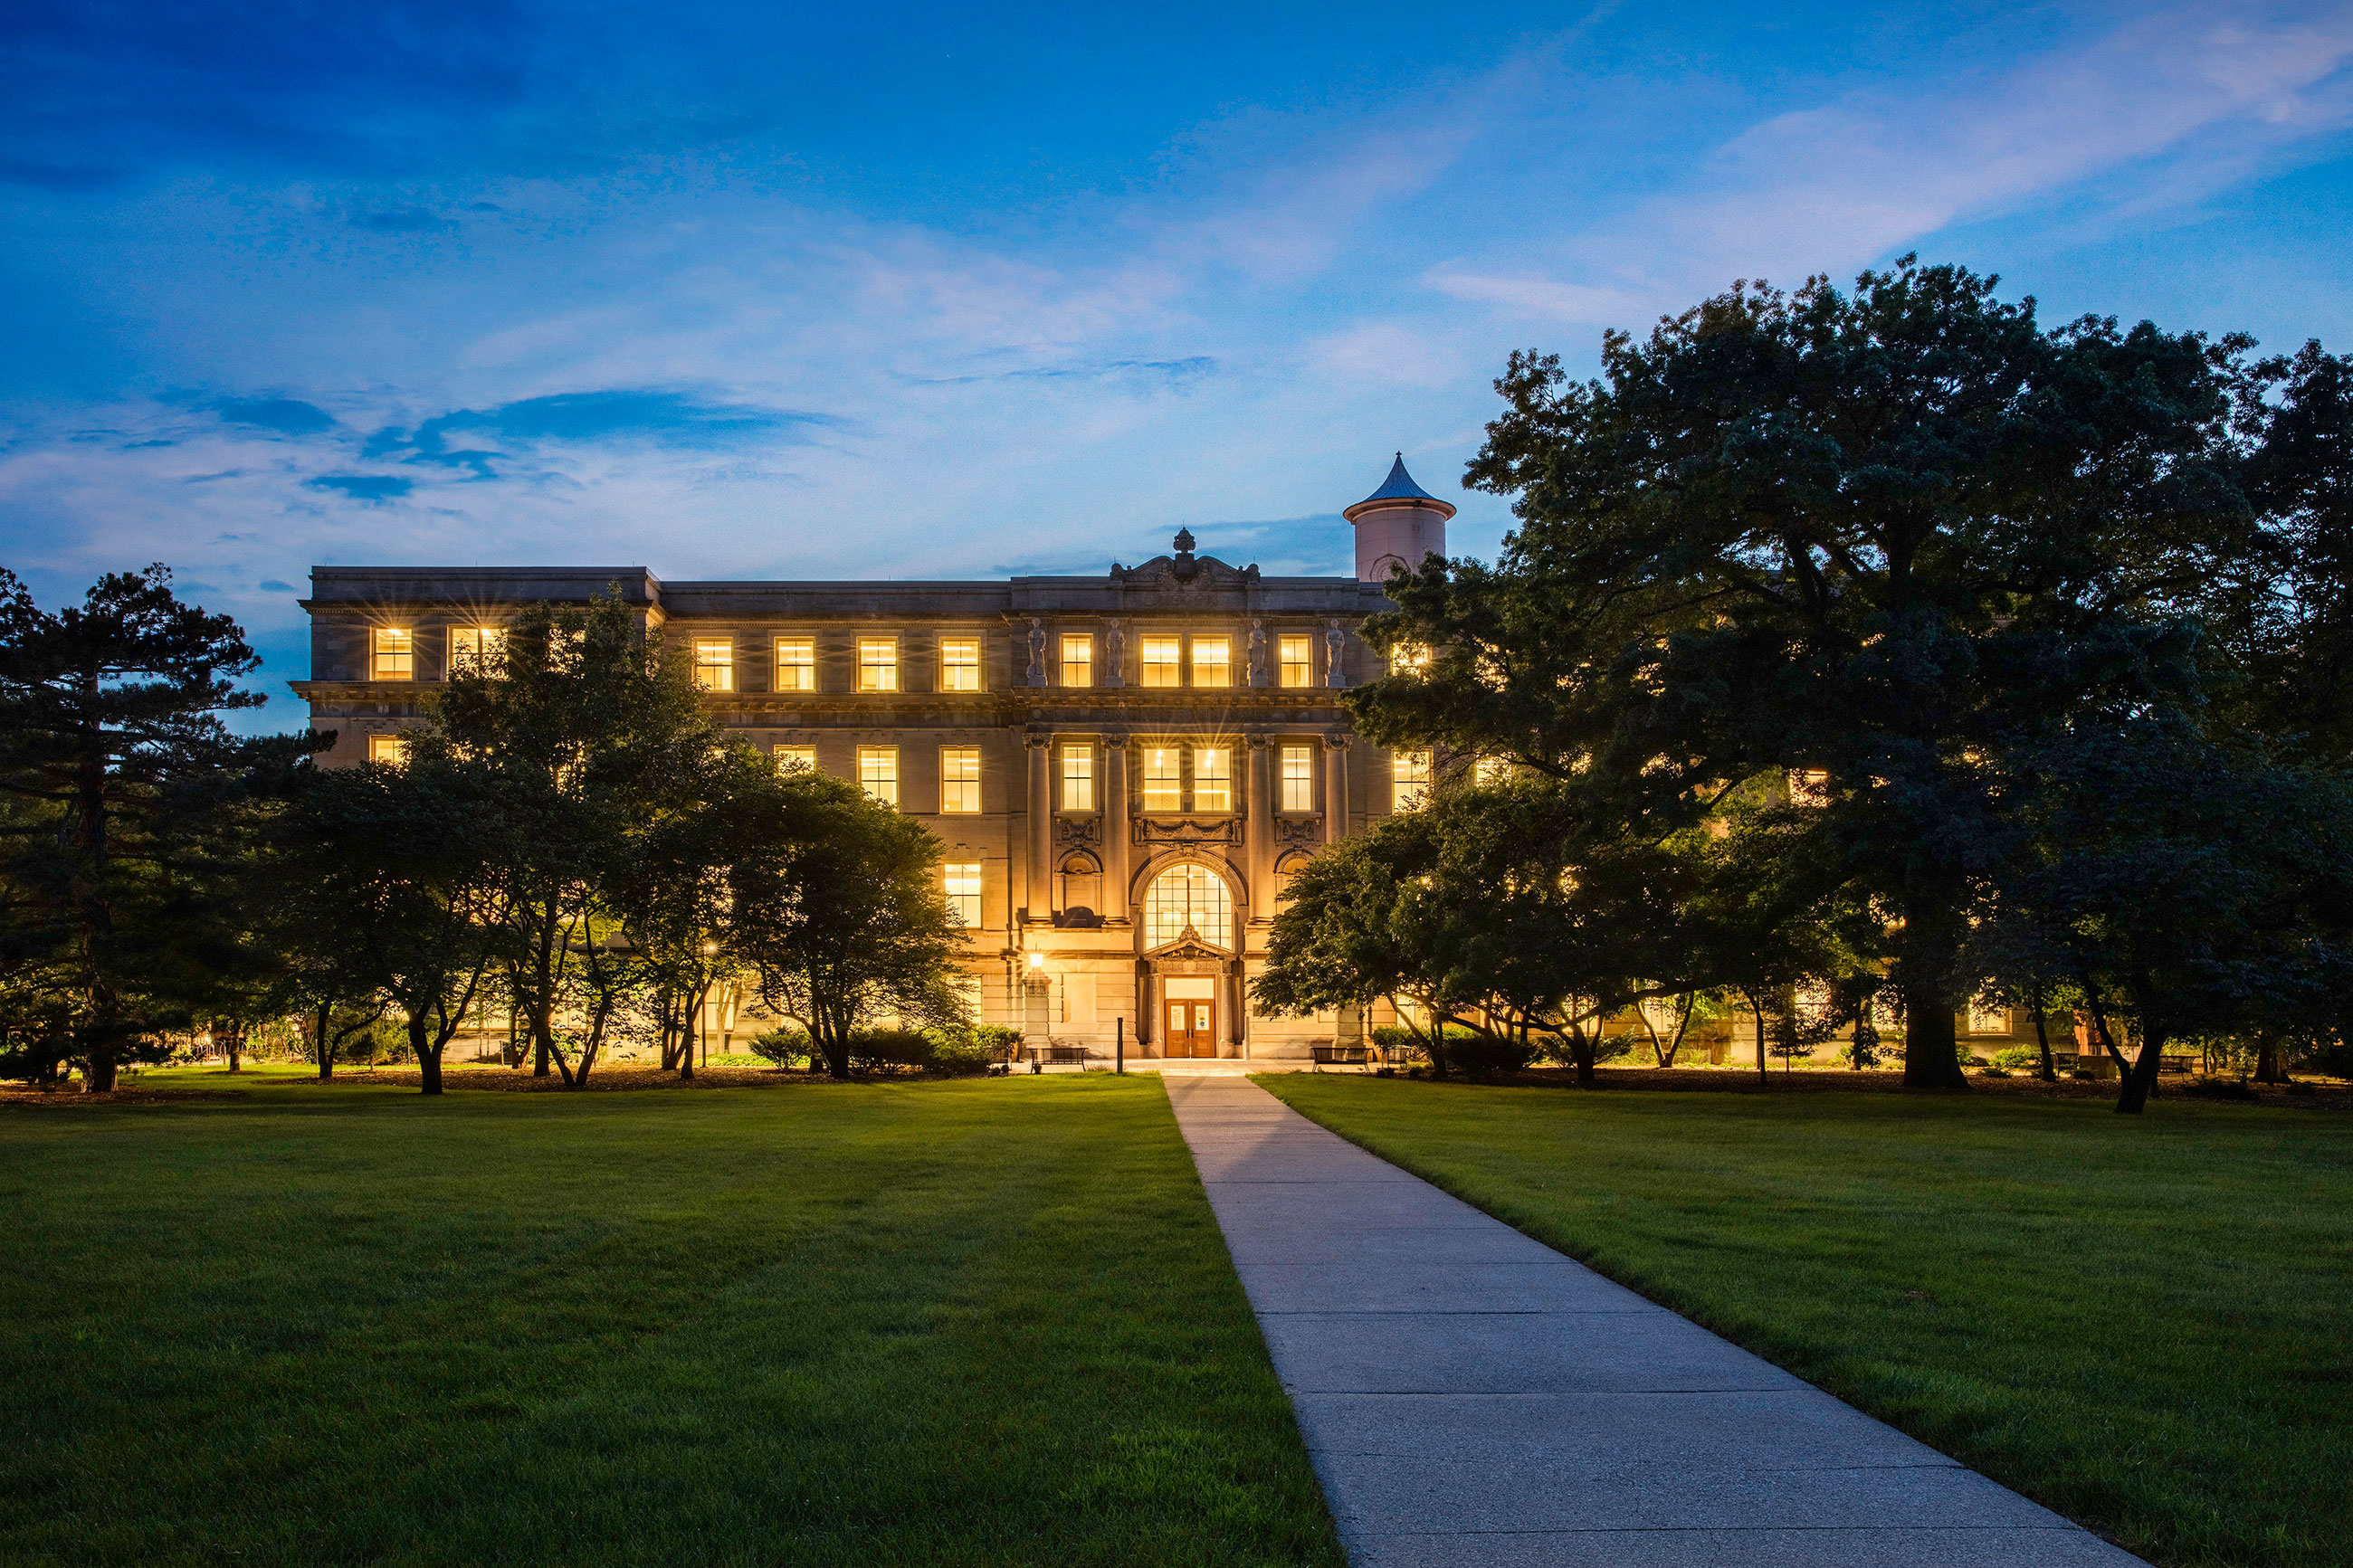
{"x":1165,"y":660}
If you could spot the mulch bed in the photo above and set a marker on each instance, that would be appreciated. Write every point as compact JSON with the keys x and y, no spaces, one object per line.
{"x":455,"y":1080}
{"x":2326,"y":1095}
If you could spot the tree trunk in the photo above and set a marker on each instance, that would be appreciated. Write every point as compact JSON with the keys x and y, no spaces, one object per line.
{"x":2268,"y":1069}
{"x":1756,"y":1011}
{"x":2140,"y":1082}
{"x":1582,"y":1046}
{"x":98,"y":1075}
{"x":2049,"y":1074}
{"x":323,"y":1045}
{"x":1931,"y":1047}
{"x":429,"y":1057}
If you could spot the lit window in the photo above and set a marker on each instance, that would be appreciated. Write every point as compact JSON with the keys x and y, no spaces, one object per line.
{"x":1298,"y":778}
{"x":1160,"y":661}
{"x":1809,"y":786}
{"x":1409,"y":779}
{"x":795,"y":664}
{"x":791,"y":757}
{"x":963,"y":892}
{"x":1409,"y":659}
{"x":878,"y":772}
{"x":476,"y":648}
{"x":1078,"y":661}
{"x":714,"y":666}
{"x":1213,"y":779}
{"x":1212,"y":662}
{"x":878,"y":664}
{"x":1989,"y":1018}
{"x":1164,"y":782}
{"x":1187,"y":895}
{"x":395,"y":654}
{"x":1492,"y":770}
{"x":959,"y":778}
{"x":959,"y":664}
{"x":1298,"y":661}
{"x":392,"y":750}
{"x":1078,"y":778}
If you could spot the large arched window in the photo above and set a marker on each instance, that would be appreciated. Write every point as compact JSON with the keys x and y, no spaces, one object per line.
{"x":1188,"y":894}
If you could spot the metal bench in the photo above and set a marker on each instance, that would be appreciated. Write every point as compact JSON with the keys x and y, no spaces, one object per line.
{"x":1338,"y":1057}
{"x":1061,"y":1055}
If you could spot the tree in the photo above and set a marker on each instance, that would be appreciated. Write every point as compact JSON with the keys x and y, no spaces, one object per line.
{"x":130,"y":808}
{"x":591,"y":738}
{"x":1877,"y":536}
{"x":414,"y":859}
{"x":844,"y":917}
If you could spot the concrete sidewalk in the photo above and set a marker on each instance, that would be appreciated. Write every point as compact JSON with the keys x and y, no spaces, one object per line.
{"x":1474,"y":1399}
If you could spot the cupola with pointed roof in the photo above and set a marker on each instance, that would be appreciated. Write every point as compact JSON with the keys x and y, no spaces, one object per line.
{"x":1397,"y":525}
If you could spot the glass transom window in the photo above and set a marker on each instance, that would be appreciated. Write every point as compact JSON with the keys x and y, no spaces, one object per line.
{"x":395,"y":653}
{"x":959,"y":664}
{"x":1078,"y":778}
{"x":1078,"y":661}
{"x":1160,"y":661}
{"x":1298,"y":778}
{"x":795,"y":664}
{"x":878,"y":664}
{"x":1213,"y":779}
{"x":476,"y":648}
{"x":1298,"y":659}
{"x":1187,"y":895}
{"x":714,"y":666}
{"x":1408,"y":779}
{"x":963,"y":880}
{"x":1164,"y":779}
{"x":959,"y":779}
{"x":878,"y":772}
{"x":1212,"y":661}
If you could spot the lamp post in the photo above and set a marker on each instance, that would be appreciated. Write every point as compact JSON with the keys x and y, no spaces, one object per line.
{"x":1035,"y":974}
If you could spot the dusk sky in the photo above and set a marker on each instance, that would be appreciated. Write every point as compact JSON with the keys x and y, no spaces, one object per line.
{"x":890,"y":290}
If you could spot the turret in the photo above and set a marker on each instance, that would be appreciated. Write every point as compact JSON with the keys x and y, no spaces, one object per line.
{"x":1397,"y":525}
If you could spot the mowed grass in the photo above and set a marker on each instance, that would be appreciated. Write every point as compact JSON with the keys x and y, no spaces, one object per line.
{"x":2146,"y":1324}
{"x":982,"y":1322}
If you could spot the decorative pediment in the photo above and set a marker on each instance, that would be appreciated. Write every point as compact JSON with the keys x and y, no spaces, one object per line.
{"x":1188,"y":954}
{"x":1184,"y":570}
{"x":1159,"y":830}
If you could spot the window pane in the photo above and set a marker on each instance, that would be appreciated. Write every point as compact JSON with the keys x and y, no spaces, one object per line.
{"x":878,"y":664}
{"x":1213,"y":784}
{"x":1298,"y":661}
{"x":1298,"y":778}
{"x":714,"y":666}
{"x":1160,"y":661}
{"x":959,"y":664}
{"x":1187,"y":895}
{"x":963,"y":878}
{"x":1407,"y":659}
{"x":395,"y":654}
{"x":391,"y":750}
{"x":1078,"y":778}
{"x":1409,"y":779}
{"x":959,"y":778}
{"x":476,"y":648}
{"x":795,"y":664}
{"x":1492,"y":769}
{"x":791,"y":757}
{"x":1078,"y":661}
{"x":878,"y":772}
{"x":1163,"y":783}
{"x":1211,"y":664}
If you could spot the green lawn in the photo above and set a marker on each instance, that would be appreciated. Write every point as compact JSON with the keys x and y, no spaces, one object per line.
{"x":2145,"y":1323}
{"x":981,"y":1322}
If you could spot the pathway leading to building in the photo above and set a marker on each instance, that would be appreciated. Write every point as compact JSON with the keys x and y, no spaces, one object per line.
{"x":1474,"y":1399}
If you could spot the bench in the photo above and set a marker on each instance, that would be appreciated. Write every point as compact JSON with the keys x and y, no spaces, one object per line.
{"x":1338,"y":1057}
{"x":2169,"y":1063}
{"x":1061,"y":1055}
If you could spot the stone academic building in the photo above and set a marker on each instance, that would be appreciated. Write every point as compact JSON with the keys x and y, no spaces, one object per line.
{"x":1124,"y":768}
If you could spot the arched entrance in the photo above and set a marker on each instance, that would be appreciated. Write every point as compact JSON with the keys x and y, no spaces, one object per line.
{"x":1188,"y":924}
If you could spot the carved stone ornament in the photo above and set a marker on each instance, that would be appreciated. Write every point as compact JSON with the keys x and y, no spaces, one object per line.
{"x":1037,"y":652}
{"x":1037,"y":739}
{"x":1076,"y":832}
{"x":1186,"y":830}
{"x":1303,"y":831}
{"x":1335,"y":645}
{"x":1338,"y":741}
{"x":1258,"y":652}
{"x":1115,"y":648}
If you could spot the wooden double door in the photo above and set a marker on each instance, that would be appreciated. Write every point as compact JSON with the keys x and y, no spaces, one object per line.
{"x":1189,"y":1009}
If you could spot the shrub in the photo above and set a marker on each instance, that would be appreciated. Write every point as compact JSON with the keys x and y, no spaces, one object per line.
{"x":2334,"y":1059}
{"x":1482,"y":1056}
{"x":782,"y":1047}
{"x":2222,"y":1089}
{"x":2013,"y":1058}
{"x":972,"y":1049}
{"x":871,"y":1050}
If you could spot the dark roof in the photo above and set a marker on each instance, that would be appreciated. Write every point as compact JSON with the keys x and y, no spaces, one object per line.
{"x":1399,"y":485}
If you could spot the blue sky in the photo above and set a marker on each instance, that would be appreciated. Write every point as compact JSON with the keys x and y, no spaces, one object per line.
{"x":879,"y":291}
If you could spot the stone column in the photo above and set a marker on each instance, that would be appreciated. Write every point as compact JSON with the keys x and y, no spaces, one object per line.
{"x":1041,"y":825}
{"x":1335,"y":788}
{"x":1258,"y":832}
{"x":1116,"y":829}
